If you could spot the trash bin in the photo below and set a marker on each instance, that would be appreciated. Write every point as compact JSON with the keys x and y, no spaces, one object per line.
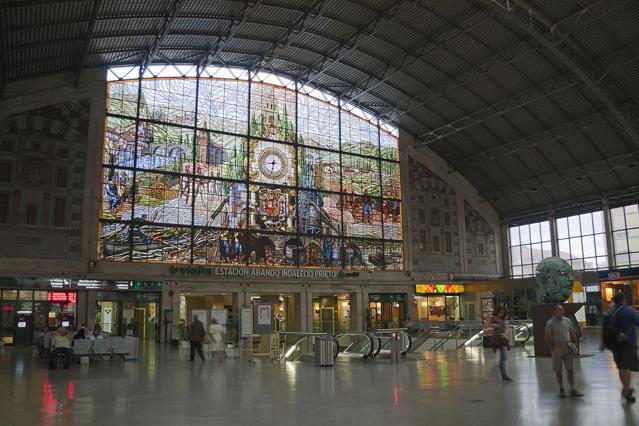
{"x":324,"y":351}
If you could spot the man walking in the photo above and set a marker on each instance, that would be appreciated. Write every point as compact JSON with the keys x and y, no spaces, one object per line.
{"x":196,"y":335}
{"x":620,"y":336}
{"x":559,"y":333}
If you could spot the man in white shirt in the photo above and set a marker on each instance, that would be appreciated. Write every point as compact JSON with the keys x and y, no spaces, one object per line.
{"x":60,"y":343}
{"x":559,"y":333}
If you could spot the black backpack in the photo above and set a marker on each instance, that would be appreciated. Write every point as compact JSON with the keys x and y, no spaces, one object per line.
{"x":612,"y":336}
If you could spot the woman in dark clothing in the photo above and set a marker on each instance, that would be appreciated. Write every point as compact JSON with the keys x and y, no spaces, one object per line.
{"x":500,"y":340}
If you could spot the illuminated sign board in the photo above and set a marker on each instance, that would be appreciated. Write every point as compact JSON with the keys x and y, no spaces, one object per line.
{"x":61,"y":297}
{"x":439,"y":288}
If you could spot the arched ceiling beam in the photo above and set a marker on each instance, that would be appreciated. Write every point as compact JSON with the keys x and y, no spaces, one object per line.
{"x":86,"y":43}
{"x":169,"y":20}
{"x":419,"y":51}
{"x":628,"y":161}
{"x":612,"y":61}
{"x":508,"y":9}
{"x":514,"y":102}
{"x":554,"y":134}
{"x":336,"y":55}
{"x":285,"y":40}
{"x":234,"y":26}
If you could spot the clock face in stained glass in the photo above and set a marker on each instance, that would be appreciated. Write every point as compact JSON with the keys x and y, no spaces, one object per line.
{"x":273,"y":163}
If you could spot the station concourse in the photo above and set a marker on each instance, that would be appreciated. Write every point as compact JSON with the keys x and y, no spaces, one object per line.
{"x":318,"y":211}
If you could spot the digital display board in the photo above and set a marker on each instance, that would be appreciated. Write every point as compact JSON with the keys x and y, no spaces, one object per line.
{"x":61,"y":297}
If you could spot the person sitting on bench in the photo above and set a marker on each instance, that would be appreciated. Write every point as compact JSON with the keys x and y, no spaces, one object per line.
{"x":60,"y":343}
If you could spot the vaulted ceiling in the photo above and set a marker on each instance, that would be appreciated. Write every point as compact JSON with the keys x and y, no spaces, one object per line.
{"x":536,"y":103}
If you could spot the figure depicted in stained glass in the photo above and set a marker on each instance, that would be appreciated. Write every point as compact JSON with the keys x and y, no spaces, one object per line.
{"x":356,"y":257}
{"x":367,"y":212}
{"x":111,"y":191}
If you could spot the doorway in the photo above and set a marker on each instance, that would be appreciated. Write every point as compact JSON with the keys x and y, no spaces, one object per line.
{"x":386,"y":310}
{"x":331,"y":313}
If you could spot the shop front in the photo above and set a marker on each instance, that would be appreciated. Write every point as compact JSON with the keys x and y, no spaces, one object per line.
{"x":386,"y":310}
{"x":24,"y":311}
{"x":438,"y":302}
{"x":129,"y":313}
{"x":624,"y":281}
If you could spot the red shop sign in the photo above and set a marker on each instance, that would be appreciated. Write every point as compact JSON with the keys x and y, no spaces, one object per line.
{"x":61,"y":296}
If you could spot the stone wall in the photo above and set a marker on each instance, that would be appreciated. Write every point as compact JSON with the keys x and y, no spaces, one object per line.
{"x":42,"y":176}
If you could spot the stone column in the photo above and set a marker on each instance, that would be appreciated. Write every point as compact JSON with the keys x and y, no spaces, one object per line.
{"x":357,"y":311}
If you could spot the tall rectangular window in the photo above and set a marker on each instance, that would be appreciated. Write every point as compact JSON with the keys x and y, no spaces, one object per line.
{"x":529,"y":244}
{"x":59,"y":212}
{"x":4,"y":207}
{"x":582,"y":241}
{"x":31,"y":214}
{"x":5,"y":171}
{"x":625,"y":235}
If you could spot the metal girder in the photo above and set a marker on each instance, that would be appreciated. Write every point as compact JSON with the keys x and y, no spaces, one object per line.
{"x":519,"y":100}
{"x":554,"y":134}
{"x":418,"y":52}
{"x":95,"y":7}
{"x":565,"y":176}
{"x":627,"y":193}
{"x":554,"y":43}
{"x":234,"y":25}
{"x":285,"y":40}
{"x":29,"y":3}
{"x":169,"y":19}
{"x":323,"y":64}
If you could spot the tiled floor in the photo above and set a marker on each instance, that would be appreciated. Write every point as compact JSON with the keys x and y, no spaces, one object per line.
{"x":458,"y":388}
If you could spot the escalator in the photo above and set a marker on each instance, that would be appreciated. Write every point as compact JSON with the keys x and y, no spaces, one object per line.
{"x":357,"y":345}
{"x":384,"y":338}
{"x":302,"y":346}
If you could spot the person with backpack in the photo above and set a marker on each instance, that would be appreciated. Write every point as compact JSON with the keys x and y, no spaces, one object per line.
{"x":620,"y":337}
{"x":559,"y":333}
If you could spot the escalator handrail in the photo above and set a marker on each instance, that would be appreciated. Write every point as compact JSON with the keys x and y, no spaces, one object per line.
{"x":321,"y":336}
{"x":445,"y":339}
{"x":367,"y":335}
{"x":527,"y":326}
{"x":423,"y":338}
{"x":386,"y":333}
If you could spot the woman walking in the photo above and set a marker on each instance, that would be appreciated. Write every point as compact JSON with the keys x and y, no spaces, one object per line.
{"x":217,"y":333}
{"x":500,"y":340}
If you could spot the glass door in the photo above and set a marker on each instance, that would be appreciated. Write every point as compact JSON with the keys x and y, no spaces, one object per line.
{"x":327,"y":320}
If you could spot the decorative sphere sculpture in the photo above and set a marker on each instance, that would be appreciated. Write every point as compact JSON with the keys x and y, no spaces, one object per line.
{"x":554,"y":276}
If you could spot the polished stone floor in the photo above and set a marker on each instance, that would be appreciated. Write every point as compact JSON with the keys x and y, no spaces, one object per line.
{"x":453,"y":388}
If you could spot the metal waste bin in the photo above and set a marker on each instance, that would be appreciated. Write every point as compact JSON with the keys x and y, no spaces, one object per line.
{"x":324,"y":351}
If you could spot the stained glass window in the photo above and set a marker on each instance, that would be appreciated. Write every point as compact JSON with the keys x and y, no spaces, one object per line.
{"x":225,"y":167}
{"x":223,"y":105}
{"x":318,"y":169}
{"x":169,"y":100}
{"x":360,"y":175}
{"x":271,"y":162}
{"x":272,"y":112}
{"x":318,"y":123}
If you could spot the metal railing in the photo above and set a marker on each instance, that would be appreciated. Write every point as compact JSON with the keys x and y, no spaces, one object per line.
{"x":384,"y":336}
{"x":421,"y":338}
{"x":303,"y":346}
{"x":361,"y":344}
{"x":453,"y":333}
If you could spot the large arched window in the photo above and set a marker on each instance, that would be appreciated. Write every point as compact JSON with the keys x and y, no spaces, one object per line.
{"x":216,"y":166}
